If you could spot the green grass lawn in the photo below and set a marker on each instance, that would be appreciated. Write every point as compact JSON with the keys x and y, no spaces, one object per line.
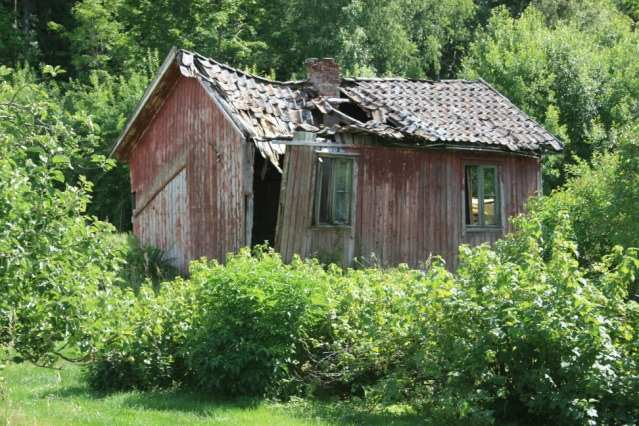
{"x":36,"y":396}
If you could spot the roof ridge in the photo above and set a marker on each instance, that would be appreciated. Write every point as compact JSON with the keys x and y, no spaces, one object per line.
{"x":420,"y":80}
{"x":302,"y":81}
{"x":239,"y":71}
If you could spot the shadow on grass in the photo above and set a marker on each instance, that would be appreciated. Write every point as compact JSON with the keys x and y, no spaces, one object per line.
{"x":177,"y":399}
{"x":70,"y":391}
{"x":186,"y":401}
{"x":202,"y":404}
{"x":352,"y":413}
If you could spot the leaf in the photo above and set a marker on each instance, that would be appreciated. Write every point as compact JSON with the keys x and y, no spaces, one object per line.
{"x":57,"y":175}
{"x":5,"y":71}
{"x":53,"y":71}
{"x":60,"y":159}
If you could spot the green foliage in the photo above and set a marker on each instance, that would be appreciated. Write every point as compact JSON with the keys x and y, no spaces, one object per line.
{"x":527,"y":337}
{"x":105,"y":102}
{"x":3,"y":358}
{"x":414,"y":38}
{"x":53,"y":261}
{"x":571,"y":68}
{"x":99,"y":39}
{"x":600,"y":200}
{"x":256,"y":321}
{"x":518,"y":332}
{"x":239,"y":329}
{"x":12,"y":43}
{"x":375,"y":319}
{"x":629,"y":7}
{"x":142,"y":263}
{"x":139,"y":343}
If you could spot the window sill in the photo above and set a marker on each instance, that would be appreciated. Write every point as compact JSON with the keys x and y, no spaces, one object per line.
{"x":468,"y":228}
{"x":329,"y":227}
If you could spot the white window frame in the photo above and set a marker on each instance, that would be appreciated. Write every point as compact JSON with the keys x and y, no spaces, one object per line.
{"x":319,"y":155}
{"x":480,"y":195}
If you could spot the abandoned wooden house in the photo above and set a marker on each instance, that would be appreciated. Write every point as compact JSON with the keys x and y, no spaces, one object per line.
{"x":339,"y":168}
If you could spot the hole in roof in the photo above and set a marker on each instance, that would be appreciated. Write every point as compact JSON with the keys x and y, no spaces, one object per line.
{"x":354,"y":111}
{"x":317,"y":117}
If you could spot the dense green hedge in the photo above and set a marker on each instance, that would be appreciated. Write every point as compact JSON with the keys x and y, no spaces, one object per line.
{"x":518,"y":332}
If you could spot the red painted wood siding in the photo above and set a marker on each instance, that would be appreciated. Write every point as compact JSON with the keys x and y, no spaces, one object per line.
{"x":190,"y":135}
{"x":172,"y":232}
{"x":409,"y":204}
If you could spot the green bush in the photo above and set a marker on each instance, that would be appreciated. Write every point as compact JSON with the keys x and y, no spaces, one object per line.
{"x":139,"y":341}
{"x":243,"y":328}
{"x":521,"y":337}
{"x":520,"y":331}
{"x":600,"y":200}
{"x":376,"y":317}
{"x":141,"y":262}
{"x":54,"y":260}
{"x":256,"y":323}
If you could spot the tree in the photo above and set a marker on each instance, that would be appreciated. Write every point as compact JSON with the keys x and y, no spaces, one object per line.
{"x":573,"y":73}
{"x":601,"y":200}
{"x":54,"y":260}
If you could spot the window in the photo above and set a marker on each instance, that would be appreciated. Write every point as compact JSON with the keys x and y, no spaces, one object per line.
{"x":482,"y":196}
{"x":333,"y":191}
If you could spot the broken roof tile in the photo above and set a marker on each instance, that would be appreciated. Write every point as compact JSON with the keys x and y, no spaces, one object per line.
{"x":445,"y":111}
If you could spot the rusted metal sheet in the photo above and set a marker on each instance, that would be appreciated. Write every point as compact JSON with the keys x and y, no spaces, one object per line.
{"x":409,"y":204}
{"x":190,"y":136}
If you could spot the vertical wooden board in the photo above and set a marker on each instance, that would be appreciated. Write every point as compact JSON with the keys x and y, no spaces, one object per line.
{"x":295,"y":210}
{"x":408,"y":201}
{"x":287,"y":207}
{"x":190,"y":127}
{"x":164,"y":221}
{"x":411,"y":202}
{"x":309,"y":199}
{"x":280,"y":230}
{"x":293,"y":206}
{"x":248,"y":157}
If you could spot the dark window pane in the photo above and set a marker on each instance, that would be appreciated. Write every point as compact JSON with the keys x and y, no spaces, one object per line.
{"x":334,"y":186}
{"x":324,"y":172}
{"x":472,"y":195}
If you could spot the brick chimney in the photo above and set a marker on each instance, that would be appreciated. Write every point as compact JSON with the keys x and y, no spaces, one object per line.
{"x":324,"y":75}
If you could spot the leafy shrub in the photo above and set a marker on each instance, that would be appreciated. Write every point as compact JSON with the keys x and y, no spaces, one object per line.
{"x":241,"y":328}
{"x":255,"y":323}
{"x":520,"y":331}
{"x":526,"y":338}
{"x":53,"y":259}
{"x":140,"y":340}
{"x":600,"y":200}
{"x":3,"y":357}
{"x":142,"y":262}
{"x":376,"y":316}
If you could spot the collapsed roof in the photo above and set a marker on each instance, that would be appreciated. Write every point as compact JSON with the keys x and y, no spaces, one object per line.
{"x":419,"y":112}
